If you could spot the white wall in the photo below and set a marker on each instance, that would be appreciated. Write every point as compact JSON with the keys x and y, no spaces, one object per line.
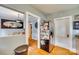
{"x":10,"y":14}
{"x":8,"y":44}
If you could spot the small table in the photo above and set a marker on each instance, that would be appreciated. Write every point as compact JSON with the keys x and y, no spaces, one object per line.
{"x":21,"y":50}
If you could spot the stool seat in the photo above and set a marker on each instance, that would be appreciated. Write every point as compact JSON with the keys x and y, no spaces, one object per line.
{"x":21,"y":50}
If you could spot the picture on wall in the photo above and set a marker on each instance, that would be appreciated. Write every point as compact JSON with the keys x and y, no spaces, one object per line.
{"x":11,"y":24}
{"x":76,"y":22}
{"x":76,"y":25}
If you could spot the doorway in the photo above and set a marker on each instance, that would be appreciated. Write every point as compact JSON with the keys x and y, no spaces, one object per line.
{"x":33,"y":30}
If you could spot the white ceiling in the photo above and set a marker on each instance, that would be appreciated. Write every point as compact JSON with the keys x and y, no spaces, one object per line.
{"x":45,"y":8}
{"x":52,"y":8}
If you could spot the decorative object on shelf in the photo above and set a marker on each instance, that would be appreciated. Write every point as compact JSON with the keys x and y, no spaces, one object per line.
{"x":42,"y":42}
{"x":45,"y":31}
{"x":11,"y":24}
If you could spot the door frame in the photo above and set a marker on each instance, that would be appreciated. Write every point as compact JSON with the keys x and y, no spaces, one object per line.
{"x":27,"y":24}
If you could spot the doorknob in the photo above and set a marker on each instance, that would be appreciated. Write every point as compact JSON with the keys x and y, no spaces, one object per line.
{"x":67,"y":35}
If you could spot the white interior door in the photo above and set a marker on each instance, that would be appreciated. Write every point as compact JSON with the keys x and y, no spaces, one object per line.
{"x":62,"y":32}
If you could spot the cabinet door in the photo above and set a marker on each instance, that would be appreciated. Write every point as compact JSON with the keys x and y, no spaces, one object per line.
{"x":45,"y":45}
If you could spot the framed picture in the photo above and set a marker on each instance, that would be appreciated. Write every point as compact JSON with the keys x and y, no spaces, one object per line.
{"x":76,"y":25}
{"x":11,"y":24}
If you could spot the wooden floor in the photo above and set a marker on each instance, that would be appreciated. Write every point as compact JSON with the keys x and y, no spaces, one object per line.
{"x":61,"y":51}
{"x":33,"y":50}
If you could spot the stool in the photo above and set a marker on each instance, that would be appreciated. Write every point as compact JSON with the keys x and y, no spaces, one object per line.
{"x":21,"y":50}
